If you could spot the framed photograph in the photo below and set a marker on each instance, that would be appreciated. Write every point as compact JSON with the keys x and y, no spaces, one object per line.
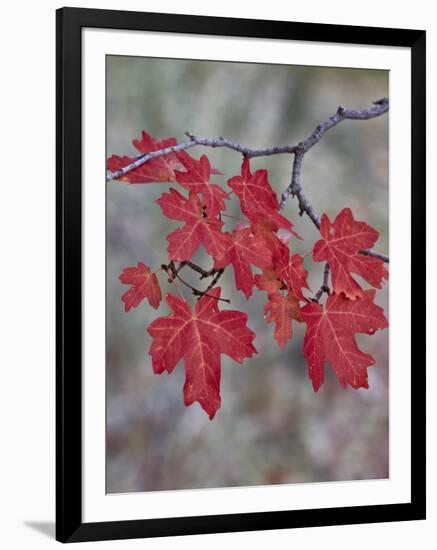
{"x":240,"y":206}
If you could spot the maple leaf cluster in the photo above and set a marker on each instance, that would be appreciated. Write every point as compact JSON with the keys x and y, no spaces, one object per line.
{"x":200,"y":334}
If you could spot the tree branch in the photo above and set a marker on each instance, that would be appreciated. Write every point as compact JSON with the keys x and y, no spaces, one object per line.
{"x":246,"y":151}
{"x":294,"y":189}
{"x":379,"y":108}
{"x":206,"y":142}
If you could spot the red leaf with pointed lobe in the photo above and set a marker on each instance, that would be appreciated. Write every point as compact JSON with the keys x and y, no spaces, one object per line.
{"x":144,"y":285}
{"x":283,"y":269}
{"x":268,"y":281}
{"x":279,"y":250}
{"x":199,"y":338}
{"x":282,"y":309}
{"x":199,"y":229}
{"x":330,"y":336}
{"x":196,"y":178}
{"x":157,"y":170}
{"x":275,"y":220}
{"x":257,"y":199}
{"x":340,"y":247}
{"x":244,"y":250}
{"x":295,"y":276}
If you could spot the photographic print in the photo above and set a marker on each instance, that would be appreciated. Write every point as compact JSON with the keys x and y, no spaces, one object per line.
{"x":247,"y":284}
{"x":240,"y":230}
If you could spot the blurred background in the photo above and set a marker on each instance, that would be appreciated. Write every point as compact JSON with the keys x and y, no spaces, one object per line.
{"x":271,"y":428}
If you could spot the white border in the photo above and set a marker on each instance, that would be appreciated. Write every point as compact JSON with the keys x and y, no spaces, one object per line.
{"x":97,"y":506}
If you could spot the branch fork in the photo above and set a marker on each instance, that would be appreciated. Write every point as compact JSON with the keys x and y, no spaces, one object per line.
{"x":173,"y":273}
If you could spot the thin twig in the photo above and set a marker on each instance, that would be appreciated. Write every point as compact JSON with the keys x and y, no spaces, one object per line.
{"x":203,"y":272}
{"x":246,"y":151}
{"x":209,"y":273}
{"x":368,"y":252}
{"x":324,"y":288}
{"x":173,"y":273}
{"x":218,"y":274}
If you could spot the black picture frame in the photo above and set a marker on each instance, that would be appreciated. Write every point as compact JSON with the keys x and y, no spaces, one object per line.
{"x":69,"y":524}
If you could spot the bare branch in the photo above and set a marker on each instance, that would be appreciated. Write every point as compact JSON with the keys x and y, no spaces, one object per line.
{"x":379,"y":108}
{"x":295,"y":188}
{"x":246,"y":151}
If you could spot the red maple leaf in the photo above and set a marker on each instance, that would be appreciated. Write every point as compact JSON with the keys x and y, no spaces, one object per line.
{"x":199,"y":229}
{"x":279,"y":250}
{"x":340,"y":247}
{"x":295,"y":276}
{"x":257,"y":199}
{"x":144,"y":285}
{"x":160,"y":169}
{"x":199,"y":338}
{"x":282,"y":309}
{"x":283,"y":271}
{"x":330,"y":337}
{"x":196,"y":178}
{"x":244,"y":249}
{"x":269,"y":281}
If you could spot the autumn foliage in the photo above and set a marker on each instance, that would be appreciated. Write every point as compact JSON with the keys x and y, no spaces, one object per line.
{"x":200,"y":332}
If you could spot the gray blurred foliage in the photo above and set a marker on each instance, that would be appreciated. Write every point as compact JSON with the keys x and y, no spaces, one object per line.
{"x":272,"y":428}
